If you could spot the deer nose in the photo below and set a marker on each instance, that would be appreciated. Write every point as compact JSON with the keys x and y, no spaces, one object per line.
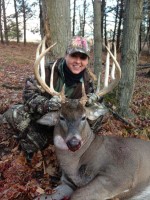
{"x":73,"y":144}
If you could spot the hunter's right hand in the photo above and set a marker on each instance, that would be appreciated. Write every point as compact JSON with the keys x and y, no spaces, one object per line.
{"x":54,"y":103}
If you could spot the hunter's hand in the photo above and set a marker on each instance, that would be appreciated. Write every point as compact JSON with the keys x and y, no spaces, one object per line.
{"x":92,"y":98}
{"x":54,"y":103}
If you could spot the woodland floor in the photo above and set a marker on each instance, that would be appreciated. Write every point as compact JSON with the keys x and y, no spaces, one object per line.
{"x":20,"y":180}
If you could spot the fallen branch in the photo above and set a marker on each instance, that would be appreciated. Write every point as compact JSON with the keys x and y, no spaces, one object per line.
{"x":119,"y":117}
{"x":143,"y":66}
{"x":11,"y":86}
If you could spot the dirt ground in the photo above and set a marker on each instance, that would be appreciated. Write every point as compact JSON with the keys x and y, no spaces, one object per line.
{"x":22,"y":180}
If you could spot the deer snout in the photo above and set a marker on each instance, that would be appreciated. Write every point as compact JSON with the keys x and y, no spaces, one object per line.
{"x":74,"y":144}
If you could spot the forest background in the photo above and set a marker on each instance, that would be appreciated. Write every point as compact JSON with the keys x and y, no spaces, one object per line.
{"x":99,"y":21}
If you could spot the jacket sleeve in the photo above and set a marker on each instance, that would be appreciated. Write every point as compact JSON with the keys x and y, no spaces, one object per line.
{"x":34,"y":100}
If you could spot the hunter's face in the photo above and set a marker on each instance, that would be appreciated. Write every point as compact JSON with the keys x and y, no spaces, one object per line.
{"x":76,"y":62}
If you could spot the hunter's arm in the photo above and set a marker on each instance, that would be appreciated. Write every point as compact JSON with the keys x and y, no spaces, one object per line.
{"x":35,"y":101}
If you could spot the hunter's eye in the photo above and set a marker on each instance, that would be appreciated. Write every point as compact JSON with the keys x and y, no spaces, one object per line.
{"x":62,"y":118}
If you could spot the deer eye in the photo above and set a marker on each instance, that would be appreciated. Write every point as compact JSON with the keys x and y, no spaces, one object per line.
{"x":83,"y":118}
{"x":62,"y":118}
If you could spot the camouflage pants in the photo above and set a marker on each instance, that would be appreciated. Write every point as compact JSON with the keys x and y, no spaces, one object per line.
{"x":30,"y":135}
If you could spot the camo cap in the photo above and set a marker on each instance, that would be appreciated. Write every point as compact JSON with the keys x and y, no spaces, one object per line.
{"x":78,"y":44}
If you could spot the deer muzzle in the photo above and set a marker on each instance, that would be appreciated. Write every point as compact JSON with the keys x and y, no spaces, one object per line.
{"x":74,"y":144}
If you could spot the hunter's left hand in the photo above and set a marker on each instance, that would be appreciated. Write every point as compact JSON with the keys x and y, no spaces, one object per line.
{"x":92,"y":98}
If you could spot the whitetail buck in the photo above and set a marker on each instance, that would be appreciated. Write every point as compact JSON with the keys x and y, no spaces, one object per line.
{"x":96,"y":167}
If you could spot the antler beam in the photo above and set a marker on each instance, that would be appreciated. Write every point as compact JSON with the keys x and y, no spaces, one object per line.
{"x":115,"y":74}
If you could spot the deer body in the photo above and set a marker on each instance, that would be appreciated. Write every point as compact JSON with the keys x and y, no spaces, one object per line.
{"x":110,"y":167}
{"x":102,"y":167}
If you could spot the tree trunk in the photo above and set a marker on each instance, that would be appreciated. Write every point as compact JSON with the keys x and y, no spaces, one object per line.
{"x":17,"y":24}
{"x":105,"y":28}
{"x":97,"y":37}
{"x":148,"y":29}
{"x":74,"y":18}
{"x":103,"y":7}
{"x":121,"y":11}
{"x":1,"y":32}
{"x":24,"y":20}
{"x":116,"y":20}
{"x":5,"y":22}
{"x":140,"y":39}
{"x":84,"y":17}
{"x":57,"y":25}
{"x":129,"y":57}
{"x":41,"y":19}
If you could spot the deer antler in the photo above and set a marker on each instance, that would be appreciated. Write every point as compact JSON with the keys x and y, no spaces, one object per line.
{"x":41,"y":66}
{"x":41,"y":78}
{"x":117,"y":71}
{"x":50,"y":89}
{"x":84,"y":98}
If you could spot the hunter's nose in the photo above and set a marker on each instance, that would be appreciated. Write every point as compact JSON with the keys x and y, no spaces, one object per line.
{"x":73,"y":144}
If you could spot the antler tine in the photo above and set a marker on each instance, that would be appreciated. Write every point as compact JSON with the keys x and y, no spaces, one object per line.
{"x":41,"y":47}
{"x":42,"y":63}
{"x":51,"y":77}
{"x":113,"y":65}
{"x":38,"y":77}
{"x":84,"y":98}
{"x":38,"y":49}
{"x":53,"y":92}
{"x":114,"y":83}
{"x":98,"y":83}
{"x":42,"y":44}
{"x":62,"y":94}
{"x":107,"y":68}
{"x":42,"y":71}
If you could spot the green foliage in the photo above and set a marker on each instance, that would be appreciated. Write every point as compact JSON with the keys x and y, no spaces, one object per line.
{"x":12,"y":30}
{"x":111,"y":99}
{"x":28,"y":7}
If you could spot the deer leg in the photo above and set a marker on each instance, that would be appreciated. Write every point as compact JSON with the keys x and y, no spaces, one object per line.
{"x":100,"y":188}
{"x":62,"y":192}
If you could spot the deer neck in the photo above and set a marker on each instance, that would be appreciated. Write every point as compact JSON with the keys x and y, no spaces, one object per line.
{"x":87,"y":138}
{"x":68,"y":158}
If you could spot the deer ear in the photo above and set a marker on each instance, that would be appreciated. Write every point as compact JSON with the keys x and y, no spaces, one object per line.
{"x":49,"y":119}
{"x":96,"y":110}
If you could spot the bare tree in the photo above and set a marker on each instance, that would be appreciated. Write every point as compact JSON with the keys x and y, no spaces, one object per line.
{"x":103,"y":6}
{"x":105,"y":27}
{"x":97,"y":36}
{"x":56,"y":25}
{"x":129,"y":57}
{"x":16,"y":17}
{"x":1,"y":31}
{"x":24,"y":20}
{"x":84,"y":17}
{"x":5,"y":22}
{"x":148,"y":33}
{"x":121,"y":11}
{"x":26,"y":11}
{"x":74,"y":18}
{"x":116,"y":21}
{"x":145,"y":27}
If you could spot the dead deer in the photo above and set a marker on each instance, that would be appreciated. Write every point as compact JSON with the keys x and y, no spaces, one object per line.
{"x":96,"y":167}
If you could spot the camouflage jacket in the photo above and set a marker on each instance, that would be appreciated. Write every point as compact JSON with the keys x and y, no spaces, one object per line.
{"x":37,"y":102}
